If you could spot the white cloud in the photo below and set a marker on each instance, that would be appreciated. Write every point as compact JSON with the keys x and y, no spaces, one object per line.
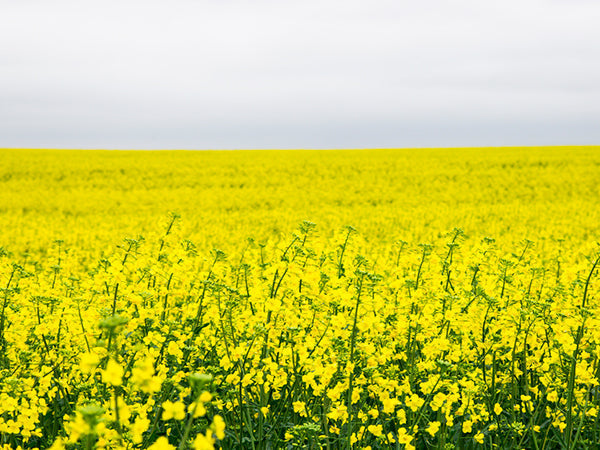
{"x":317,"y":73}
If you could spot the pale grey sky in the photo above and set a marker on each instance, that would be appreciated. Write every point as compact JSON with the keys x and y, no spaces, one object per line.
{"x":222,"y":74}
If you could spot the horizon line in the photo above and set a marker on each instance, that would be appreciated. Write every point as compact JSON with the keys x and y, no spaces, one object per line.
{"x":292,"y":149}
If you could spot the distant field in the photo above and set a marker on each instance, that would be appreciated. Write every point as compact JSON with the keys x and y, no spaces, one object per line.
{"x":227,"y":196}
{"x":444,"y":298}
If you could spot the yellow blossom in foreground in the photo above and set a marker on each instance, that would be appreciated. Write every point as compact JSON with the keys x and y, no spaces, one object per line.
{"x":218,"y":426}
{"x":173,"y":410}
{"x":197,"y":408}
{"x":113,"y":374}
{"x":140,"y":425}
{"x":57,"y":445}
{"x":205,"y":397}
{"x":162,"y":443}
{"x":143,"y":376}
{"x":89,"y":362}
{"x":203,"y":442}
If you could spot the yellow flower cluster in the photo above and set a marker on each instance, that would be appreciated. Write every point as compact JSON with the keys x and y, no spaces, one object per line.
{"x":461,"y":310}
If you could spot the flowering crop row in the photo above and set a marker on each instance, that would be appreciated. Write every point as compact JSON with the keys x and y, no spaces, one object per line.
{"x":311,"y":338}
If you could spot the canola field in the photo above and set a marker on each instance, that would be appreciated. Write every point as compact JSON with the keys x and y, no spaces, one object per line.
{"x":372,"y":299}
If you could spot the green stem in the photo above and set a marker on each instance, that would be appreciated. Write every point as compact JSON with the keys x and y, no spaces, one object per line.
{"x":188,"y":427}
{"x":571,"y":383}
{"x":351,"y":375}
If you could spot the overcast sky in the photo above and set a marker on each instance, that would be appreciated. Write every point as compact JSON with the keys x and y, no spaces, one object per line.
{"x":228,"y":74}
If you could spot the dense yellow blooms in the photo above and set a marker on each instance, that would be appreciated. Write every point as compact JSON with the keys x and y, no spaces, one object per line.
{"x":364,"y":299}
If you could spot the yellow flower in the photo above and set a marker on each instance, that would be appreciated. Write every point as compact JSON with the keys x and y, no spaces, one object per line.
{"x":140,"y":425}
{"x":205,"y":397}
{"x":401,"y":415}
{"x":113,"y":374}
{"x":433,"y":428}
{"x":552,"y":396}
{"x":479,"y":437}
{"x":467,"y":426}
{"x":339,"y":412}
{"x":404,"y":437}
{"x":300,"y":408}
{"x":173,"y":410}
{"x":414,"y":402}
{"x":57,"y":445}
{"x":497,"y":409}
{"x":174,"y":350}
{"x":89,"y":362}
{"x":389,"y":404}
{"x":198,"y":409}
{"x":204,"y":442}
{"x":218,"y":426}
{"x":375,"y":430}
{"x":162,"y":443}
{"x":438,"y":401}
{"x":142,"y":376}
